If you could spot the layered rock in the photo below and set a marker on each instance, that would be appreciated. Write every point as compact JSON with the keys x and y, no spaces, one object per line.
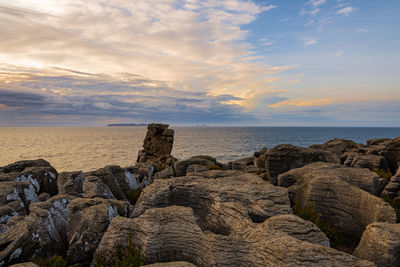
{"x":390,"y":149}
{"x":88,"y":219}
{"x":392,"y":189}
{"x":370,"y":161}
{"x":217,"y":197}
{"x":112,"y":181}
{"x":173,"y":232}
{"x":42,"y":233}
{"x":157,"y":145}
{"x":209,"y":162}
{"x":285,"y":157}
{"x":332,"y":192}
{"x":39,"y":173}
{"x":340,"y":146}
{"x":380,"y":243}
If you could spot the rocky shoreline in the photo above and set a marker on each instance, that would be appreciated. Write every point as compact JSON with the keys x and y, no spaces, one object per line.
{"x":331,"y":204}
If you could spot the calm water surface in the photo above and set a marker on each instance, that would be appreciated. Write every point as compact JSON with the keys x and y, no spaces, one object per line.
{"x":89,"y":148}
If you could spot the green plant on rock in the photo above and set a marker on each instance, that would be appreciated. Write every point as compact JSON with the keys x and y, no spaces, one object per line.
{"x":55,"y":261}
{"x":127,"y":257}
{"x":134,"y":195}
{"x":336,"y":237}
{"x":387,"y":175}
{"x":395,"y":205}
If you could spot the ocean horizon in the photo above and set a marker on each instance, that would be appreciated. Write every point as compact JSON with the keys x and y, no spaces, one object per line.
{"x":92,"y":147}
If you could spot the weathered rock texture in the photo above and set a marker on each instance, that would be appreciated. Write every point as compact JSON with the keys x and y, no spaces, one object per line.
{"x":340,"y":146}
{"x":112,"y":182}
{"x":392,"y":189}
{"x":217,"y":197}
{"x":388,"y":148}
{"x":380,"y":243}
{"x":297,"y":228}
{"x":39,"y":173}
{"x":282,"y":158}
{"x":370,"y":161}
{"x":157,"y":145}
{"x":42,"y":233}
{"x":172,"y":232}
{"x":209,"y":162}
{"x":88,"y":219}
{"x":171,"y":264}
{"x":334,"y":192}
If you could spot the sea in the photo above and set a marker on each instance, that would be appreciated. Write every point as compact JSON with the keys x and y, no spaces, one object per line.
{"x":90,"y":148}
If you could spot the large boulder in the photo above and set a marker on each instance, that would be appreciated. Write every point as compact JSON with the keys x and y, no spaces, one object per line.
{"x":370,"y":161}
{"x":282,"y":158}
{"x":113,"y":181}
{"x":333,"y":193}
{"x":390,"y":149}
{"x":361,"y":178}
{"x":157,"y":145}
{"x":380,"y":243}
{"x":88,"y":219}
{"x":42,"y":233}
{"x":217,"y":198}
{"x":296,"y":227}
{"x":340,"y":146}
{"x":172,"y":232}
{"x":39,"y":173}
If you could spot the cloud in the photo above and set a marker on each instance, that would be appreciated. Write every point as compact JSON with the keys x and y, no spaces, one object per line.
{"x":49,"y":96}
{"x":317,"y":2}
{"x":310,"y":42}
{"x":195,"y":46}
{"x":339,"y":53}
{"x":362,"y":30}
{"x":346,"y":10}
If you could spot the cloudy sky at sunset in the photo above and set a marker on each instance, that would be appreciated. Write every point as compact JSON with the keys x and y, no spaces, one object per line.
{"x":219,"y":62}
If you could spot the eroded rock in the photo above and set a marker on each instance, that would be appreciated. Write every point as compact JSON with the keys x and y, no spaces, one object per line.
{"x":332,"y":194}
{"x":380,"y":243}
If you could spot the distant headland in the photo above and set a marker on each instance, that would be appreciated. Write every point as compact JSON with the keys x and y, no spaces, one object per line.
{"x":126,"y":124}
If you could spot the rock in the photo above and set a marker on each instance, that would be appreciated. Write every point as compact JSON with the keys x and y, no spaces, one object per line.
{"x":379,"y":141}
{"x":372,"y":162}
{"x":203,"y":160}
{"x":70,"y":183}
{"x":157,"y":145}
{"x":44,"y":196}
{"x":285,"y":157}
{"x":390,"y":149}
{"x":259,"y":158}
{"x":392,"y":189}
{"x":172,"y":232}
{"x":171,"y":264}
{"x":362,"y":178}
{"x":217,"y":197}
{"x":166,"y":173}
{"x":88,"y":219}
{"x":240,"y":164}
{"x":42,"y":233}
{"x":297,"y":228}
{"x":196,"y":169}
{"x":25,"y":264}
{"x":340,"y":146}
{"x":329,"y":190}
{"x":380,"y":243}
{"x":39,"y":173}
{"x":15,"y":199}
{"x":94,"y":187}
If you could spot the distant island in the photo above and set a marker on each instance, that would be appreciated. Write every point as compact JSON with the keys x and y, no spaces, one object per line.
{"x":126,"y":124}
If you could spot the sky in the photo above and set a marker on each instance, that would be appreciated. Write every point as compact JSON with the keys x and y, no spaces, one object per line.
{"x":188,"y":62}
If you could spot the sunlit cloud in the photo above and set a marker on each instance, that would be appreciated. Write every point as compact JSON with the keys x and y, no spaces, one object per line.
{"x":339,"y":53}
{"x":310,"y":42}
{"x":346,"y":10}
